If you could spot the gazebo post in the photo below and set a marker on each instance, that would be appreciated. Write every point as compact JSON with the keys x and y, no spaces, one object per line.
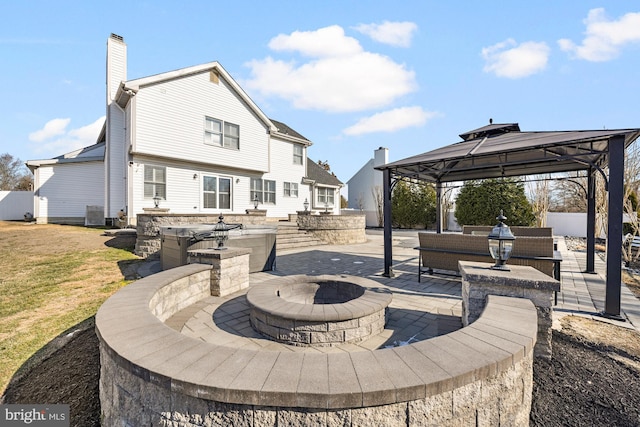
{"x":591,"y":221}
{"x":439,"y":207}
{"x":386,"y":194}
{"x":614,"y":228}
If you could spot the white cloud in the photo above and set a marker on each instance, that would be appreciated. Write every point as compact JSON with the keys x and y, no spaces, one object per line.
{"x":340,"y":77}
{"x":391,"y":121}
{"x":508,"y":59}
{"x":55,"y":139}
{"x":325,"y":42}
{"x":391,"y":33}
{"x":604,"y":38}
{"x":52,"y":128}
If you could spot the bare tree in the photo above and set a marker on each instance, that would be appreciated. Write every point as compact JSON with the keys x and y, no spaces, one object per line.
{"x":376,"y":192}
{"x":568,"y":193}
{"x":541,"y":198}
{"x":446,"y":201}
{"x":13,"y":174}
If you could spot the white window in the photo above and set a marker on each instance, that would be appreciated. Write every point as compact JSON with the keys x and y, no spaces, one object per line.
{"x":290,"y":189}
{"x":216,"y":192}
{"x":223,"y":134}
{"x":324,"y":196}
{"x":264,"y":190}
{"x":155,"y":182}
{"x":298,"y":153}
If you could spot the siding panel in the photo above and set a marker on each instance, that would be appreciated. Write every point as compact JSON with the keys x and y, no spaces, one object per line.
{"x":66,"y":190}
{"x":170,"y":122}
{"x":283,"y":170}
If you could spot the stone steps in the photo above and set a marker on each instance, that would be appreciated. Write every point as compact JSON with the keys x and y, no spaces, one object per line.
{"x":290,"y":236}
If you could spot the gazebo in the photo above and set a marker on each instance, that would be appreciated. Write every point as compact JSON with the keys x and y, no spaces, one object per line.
{"x":502,"y":150}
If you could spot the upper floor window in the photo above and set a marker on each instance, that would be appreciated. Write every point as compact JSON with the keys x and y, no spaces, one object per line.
{"x":155,"y":182}
{"x":298,"y":153}
{"x":264,"y":190}
{"x":290,"y":189}
{"x":216,"y":192}
{"x":221,"y":133}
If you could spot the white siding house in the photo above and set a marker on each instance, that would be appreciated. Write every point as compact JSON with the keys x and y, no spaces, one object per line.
{"x":365,"y":187}
{"x":192,"y":137}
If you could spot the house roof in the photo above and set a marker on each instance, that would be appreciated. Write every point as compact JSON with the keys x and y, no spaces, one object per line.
{"x":503,"y":150}
{"x":92,"y":153}
{"x":288,"y":133}
{"x":129,"y":88}
{"x":319,"y":175}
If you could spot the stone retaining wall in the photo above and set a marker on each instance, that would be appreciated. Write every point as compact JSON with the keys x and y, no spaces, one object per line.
{"x":335,"y":229}
{"x":149,"y":226}
{"x":153,"y":375}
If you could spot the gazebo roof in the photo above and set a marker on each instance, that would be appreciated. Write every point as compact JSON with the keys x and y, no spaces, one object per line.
{"x":502,"y":150}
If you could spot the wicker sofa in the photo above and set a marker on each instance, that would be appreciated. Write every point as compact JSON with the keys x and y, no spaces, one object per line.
{"x":443,"y":251}
{"x":515,"y":229}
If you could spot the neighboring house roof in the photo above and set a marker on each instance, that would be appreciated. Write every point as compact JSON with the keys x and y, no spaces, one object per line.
{"x":318,"y":175}
{"x":364,"y":168}
{"x":93,"y":153}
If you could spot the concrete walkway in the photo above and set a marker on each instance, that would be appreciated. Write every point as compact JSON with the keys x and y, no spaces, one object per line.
{"x":583,"y":294}
{"x":419,"y":310}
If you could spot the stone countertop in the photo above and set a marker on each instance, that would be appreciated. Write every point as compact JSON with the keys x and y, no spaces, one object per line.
{"x":227,"y":252}
{"x":519,"y":275}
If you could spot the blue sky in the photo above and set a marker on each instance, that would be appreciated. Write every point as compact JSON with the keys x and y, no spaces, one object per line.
{"x":351,"y":76}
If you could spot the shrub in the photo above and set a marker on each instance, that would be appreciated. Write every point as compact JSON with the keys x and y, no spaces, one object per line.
{"x":413,"y":205}
{"x":479,"y":203}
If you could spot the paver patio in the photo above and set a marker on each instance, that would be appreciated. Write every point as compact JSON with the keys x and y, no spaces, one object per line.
{"x":418,"y":311}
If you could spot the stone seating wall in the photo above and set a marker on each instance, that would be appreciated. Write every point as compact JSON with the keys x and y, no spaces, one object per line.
{"x":153,"y":375}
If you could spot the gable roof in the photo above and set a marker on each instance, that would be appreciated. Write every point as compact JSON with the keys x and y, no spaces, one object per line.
{"x":129,"y":88}
{"x":364,"y":167}
{"x":319,"y":175}
{"x":503,"y":150}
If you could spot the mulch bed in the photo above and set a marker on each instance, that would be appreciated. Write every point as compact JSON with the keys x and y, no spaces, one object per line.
{"x":69,"y":376}
{"x":582,"y":385}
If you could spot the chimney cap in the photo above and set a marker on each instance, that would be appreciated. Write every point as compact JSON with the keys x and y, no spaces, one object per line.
{"x":117,"y":37}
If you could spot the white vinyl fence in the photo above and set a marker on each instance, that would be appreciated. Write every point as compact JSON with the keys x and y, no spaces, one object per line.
{"x":14,"y":204}
{"x":575,"y":224}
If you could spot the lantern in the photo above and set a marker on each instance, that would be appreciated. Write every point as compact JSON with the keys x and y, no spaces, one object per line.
{"x":501,"y":243}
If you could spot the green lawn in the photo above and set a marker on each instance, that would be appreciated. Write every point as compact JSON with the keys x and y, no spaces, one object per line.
{"x":51,"y":278}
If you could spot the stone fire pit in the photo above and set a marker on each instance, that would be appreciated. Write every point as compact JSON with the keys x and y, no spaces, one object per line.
{"x":318,"y":310}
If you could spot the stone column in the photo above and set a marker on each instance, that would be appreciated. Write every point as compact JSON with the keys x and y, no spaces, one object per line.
{"x":229,"y":268}
{"x":479,"y":280}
